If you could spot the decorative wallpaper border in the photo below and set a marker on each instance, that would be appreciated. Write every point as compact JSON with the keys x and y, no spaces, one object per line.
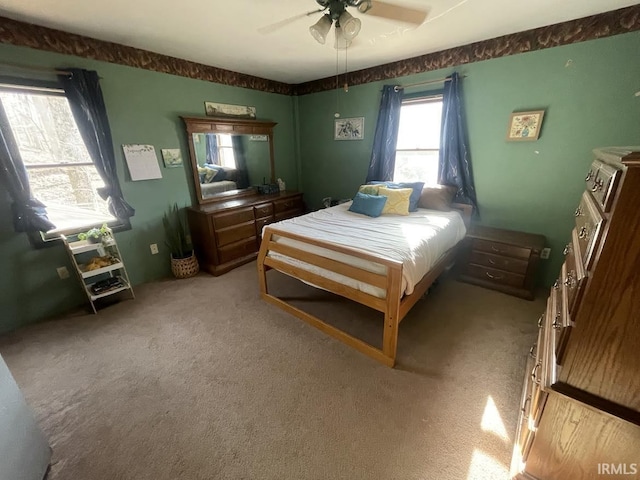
{"x":43,"y":38}
{"x":588,"y":28}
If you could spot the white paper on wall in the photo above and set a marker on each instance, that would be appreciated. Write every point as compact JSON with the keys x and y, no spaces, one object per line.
{"x":142,"y":162}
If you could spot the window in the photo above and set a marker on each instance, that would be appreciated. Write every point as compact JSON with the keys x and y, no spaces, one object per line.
{"x":61,"y":172}
{"x":419,"y":140}
{"x":225,"y":151}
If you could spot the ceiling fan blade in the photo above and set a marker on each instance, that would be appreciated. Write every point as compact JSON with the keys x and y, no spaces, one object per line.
{"x":396,"y":12}
{"x":275,"y":26}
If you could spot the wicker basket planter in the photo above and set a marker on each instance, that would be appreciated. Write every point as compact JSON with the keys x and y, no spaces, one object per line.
{"x":185,"y":267}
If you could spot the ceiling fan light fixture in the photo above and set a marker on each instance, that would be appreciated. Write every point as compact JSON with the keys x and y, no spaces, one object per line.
{"x":320,"y":29}
{"x":341,"y":42}
{"x":364,"y":6}
{"x":350,"y":26}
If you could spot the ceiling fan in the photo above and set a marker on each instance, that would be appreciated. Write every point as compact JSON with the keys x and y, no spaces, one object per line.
{"x":347,"y":26}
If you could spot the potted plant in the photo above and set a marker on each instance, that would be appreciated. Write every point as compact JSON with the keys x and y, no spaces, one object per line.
{"x":184,"y":263}
{"x":96,"y":235}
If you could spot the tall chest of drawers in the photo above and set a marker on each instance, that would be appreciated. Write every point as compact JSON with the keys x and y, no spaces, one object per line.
{"x":227,"y":234}
{"x":580,"y":406}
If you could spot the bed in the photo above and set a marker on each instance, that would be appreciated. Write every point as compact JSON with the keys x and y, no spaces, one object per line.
{"x":210,"y":189}
{"x":386,"y":263}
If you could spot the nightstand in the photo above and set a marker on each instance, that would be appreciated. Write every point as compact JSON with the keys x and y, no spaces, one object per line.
{"x":502,"y":260}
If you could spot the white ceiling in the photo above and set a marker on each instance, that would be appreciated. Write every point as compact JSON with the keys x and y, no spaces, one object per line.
{"x":225,"y":34}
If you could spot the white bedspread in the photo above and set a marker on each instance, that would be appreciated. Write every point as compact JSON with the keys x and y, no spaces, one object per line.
{"x":417,"y":240}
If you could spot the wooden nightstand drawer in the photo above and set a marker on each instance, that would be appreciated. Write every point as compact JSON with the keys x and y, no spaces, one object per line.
{"x":495,"y":276}
{"x":508,"y":264}
{"x":501,"y":249}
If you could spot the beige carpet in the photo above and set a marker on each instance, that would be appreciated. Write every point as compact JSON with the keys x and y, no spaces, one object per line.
{"x":200,"y":379}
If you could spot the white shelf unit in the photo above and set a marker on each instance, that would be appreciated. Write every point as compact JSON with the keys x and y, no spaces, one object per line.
{"x":81,"y":252}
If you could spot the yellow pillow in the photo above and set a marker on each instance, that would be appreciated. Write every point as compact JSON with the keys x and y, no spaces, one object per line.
{"x":369,"y":189}
{"x":397,"y":200}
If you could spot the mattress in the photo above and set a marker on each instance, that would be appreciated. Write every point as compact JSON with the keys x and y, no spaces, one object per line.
{"x":418,"y":240}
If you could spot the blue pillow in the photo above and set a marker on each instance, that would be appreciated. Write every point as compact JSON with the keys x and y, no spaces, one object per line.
{"x":370,"y":205}
{"x":415,"y":195}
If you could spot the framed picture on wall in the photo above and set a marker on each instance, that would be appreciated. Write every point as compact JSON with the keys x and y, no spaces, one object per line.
{"x":525,"y":126}
{"x":349,"y":128}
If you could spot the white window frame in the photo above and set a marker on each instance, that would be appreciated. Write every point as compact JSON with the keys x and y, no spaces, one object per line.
{"x":51,"y":89}
{"x":427,"y":98}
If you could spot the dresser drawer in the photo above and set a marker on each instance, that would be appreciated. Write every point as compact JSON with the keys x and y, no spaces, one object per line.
{"x":498,"y":248}
{"x":574,"y":279}
{"x":491,"y":260}
{"x":232,"y":234}
{"x":605,"y":185}
{"x":237,"y":250}
{"x":263,"y":210}
{"x":589,"y":222}
{"x":283,"y":205}
{"x":496,"y":276}
{"x":289,"y":214}
{"x":261,"y":223}
{"x":232,"y":217}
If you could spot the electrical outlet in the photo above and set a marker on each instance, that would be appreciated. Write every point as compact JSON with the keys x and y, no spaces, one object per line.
{"x":63,"y":272}
{"x":545,"y":253}
{"x":154,"y":248}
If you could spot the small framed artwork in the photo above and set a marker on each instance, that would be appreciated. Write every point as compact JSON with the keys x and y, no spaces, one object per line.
{"x":172,"y":157}
{"x":349,"y":128}
{"x":213,"y":109}
{"x":525,"y":126}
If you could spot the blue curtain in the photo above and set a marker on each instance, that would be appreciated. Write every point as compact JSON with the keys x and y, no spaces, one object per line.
{"x":454,"y":165}
{"x":211,"y":145}
{"x":383,"y":156}
{"x":29,"y":215}
{"x":242,"y":180}
{"x":83,"y":91}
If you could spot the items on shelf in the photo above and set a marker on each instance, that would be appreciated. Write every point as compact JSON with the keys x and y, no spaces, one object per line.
{"x":99,"y":265}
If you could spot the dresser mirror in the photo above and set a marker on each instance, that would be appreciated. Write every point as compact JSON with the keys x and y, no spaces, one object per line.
{"x":229,"y":157}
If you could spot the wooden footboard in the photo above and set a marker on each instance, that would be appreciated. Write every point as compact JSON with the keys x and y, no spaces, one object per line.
{"x":392,"y":305}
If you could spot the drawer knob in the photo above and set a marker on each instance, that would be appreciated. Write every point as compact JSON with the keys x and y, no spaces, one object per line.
{"x":532,"y":350}
{"x":556,"y":323}
{"x":541,"y":321}
{"x":567,"y":249}
{"x":492,"y":261}
{"x":494,"y":277}
{"x":526,"y":402}
{"x":534,"y":376}
{"x":578,"y":212}
{"x":495,"y":249}
{"x":556,"y":284}
{"x":589,"y":176}
{"x":597,"y":185}
{"x":570,"y":281}
{"x":584,"y":233}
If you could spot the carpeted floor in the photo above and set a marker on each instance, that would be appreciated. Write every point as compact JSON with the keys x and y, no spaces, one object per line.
{"x":200,"y":379}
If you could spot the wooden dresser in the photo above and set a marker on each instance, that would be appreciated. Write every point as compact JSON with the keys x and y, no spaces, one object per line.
{"x":227,"y":234}
{"x":502,"y":260}
{"x":580,"y":407}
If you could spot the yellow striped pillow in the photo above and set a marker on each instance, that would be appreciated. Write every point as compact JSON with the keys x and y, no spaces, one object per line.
{"x":397,"y":200}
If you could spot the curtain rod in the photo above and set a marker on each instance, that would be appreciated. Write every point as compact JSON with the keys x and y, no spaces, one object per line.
{"x":35,"y":69}
{"x":428,"y":82}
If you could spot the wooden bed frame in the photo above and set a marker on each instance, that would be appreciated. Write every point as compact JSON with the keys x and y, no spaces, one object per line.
{"x":395,"y":307}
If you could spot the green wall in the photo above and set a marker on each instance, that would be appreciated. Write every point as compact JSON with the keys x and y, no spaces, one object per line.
{"x":587,"y":90}
{"x":143,"y":107}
